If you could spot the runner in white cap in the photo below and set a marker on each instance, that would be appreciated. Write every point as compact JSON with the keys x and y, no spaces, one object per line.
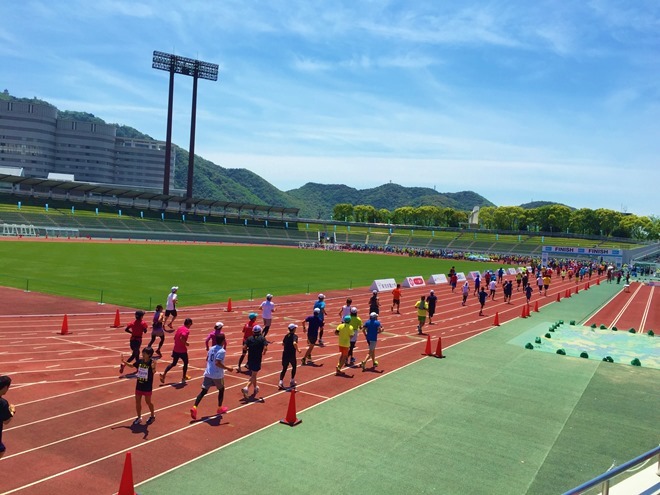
{"x":320,"y":304}
{"x":170,"y":307}
{"x":289,"y":351}
{"x":267,"y":309}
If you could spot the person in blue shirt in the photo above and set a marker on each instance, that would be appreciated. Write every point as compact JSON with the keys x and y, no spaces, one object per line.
{"x":371,"y":329}
{"x":311,"y":326}
{"x":320,"y":304}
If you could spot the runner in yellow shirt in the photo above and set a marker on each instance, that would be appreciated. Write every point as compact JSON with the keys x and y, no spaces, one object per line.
{"x":344,"y":331}
{"x":422,"y":308}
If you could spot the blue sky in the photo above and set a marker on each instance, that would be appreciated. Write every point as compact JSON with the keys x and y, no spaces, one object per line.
{"x":515,"y":100}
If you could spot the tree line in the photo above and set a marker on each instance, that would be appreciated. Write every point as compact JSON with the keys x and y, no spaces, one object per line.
{"x":547,"y":218}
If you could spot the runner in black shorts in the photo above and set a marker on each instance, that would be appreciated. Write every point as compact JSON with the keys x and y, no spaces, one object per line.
{"x":289,"y":351}
{"x":256,"y":346}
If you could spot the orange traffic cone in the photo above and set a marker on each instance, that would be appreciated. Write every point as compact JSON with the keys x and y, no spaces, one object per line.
{"x":438,"y":349}
{"x":558,"y":297}
{"x":567,"y":293}
{"x":65,"y":326}
{"x":524,"y":313}
{"x":598,"y":281}
{"x":536,"y":307}
{"x":496,"y":322}
{"x":126,"y":484}
{"x":428,"y":351}
{"x":291,"y":418}
{"x":527,"y":313}
{"x":228,"y":305}
{"x":577,"y":289}
{"x":117,"y":322}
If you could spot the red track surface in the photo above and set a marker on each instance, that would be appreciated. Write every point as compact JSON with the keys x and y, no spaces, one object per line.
{"x":631,"y":309}
{"x":74,"y":413}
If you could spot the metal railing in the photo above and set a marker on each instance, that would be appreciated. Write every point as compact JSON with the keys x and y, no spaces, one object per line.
{"x":604,"y":479}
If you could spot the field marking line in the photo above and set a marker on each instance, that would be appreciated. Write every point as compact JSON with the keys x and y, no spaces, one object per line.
{"x":625,"y":306}
{"x":80,"y":374}
{"x":647,"y":310}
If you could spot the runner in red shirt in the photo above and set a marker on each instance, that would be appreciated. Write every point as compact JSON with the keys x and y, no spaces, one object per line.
{"x":247,"y":333}
{"x":136,"y":328}
{"x":180,"y":350}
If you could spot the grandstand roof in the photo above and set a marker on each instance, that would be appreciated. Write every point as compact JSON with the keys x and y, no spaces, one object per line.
{"x":119,"y":192}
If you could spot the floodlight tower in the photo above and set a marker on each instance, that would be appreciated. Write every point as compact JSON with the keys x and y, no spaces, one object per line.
{"x":188,"y":67}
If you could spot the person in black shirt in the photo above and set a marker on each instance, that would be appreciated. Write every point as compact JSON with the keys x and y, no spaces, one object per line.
{"x":146,"y":368}
{"x":431,"y":300}
{"x":289,"y":351}
{"x":6,"y":409}
{"x":255,"y":347}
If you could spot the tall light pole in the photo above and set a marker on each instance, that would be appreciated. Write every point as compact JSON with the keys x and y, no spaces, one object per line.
{"x":188,"y":67}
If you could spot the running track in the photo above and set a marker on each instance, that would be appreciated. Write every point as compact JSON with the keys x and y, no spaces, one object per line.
{"x":74,"y":413}
{"x":631,"y":309}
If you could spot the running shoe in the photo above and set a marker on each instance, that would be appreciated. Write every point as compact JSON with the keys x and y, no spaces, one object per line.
{"x":352,"y":361}
{"x":193,"y":412}
{"x":303,"y":362}
{"x":281,"y":385}
{"x":162,"y":378}
{"x":375,"y":363}
{"x":321,"y":343}
{"x":245,"y":392}
{"x":137,"y":421}
{"x":256,"y":391}
{"x":121,"y":368}
{"x":223,"y":409}
{"x":159,"y":354}
{"x":363,"y":365}
{"x":292,"y":383}
{"x":151,"y":419}
{"x":186,"y":378}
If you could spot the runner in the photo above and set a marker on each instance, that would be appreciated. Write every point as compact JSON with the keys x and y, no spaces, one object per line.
{"x":214,"y":375}
{"x":371,"y":329}
{"x":212,"y":337}
{"x":482,"y":300}
{"x":312,"y":332}
{"x":345,"y":309}
{"x":146,"y":367}
{"x":136,"y":328}
{"x":518,"y":281}
{"x":157,"y":329}
{"x":344,"y":331}
{"x":267,"y":310}
{"x":453,"y":281}
{"x":528,"y":293}
{"x":508,"y":291}
{"x":247,"y":333}
{"x":256,"y":348}
{"x":546,"y":284}
{"x":539,"y":283}
{"x":431,"y":302}
{"x":170,"y":307}
{"x":500,"y":275}
{"x":477,"y":284}
{"x":180,"y":350}
{"x":320,"y":304}
{"x":7,"y":410}
{"x":466,"y":292}
{"x":422,"y":308}
{"x":289,"y":351}
{"x":356,"y":323}
{"x":493,"y":287}
{"x":374,"y":302}
{"x":396,"y":299}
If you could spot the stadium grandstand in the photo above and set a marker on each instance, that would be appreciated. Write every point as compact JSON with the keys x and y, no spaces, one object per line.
{"x":31,"y":207}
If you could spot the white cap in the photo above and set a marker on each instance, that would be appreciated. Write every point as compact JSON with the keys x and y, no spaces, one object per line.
{"x":374,"y":291}
{"x":175,"y":288}
{"x":292,"y":326}
{"x":373,"y":314}
{"x":317,"y":310}
{"x":219,"y":324}
{"x":321,"y":296}
{"x":256,"y":329}
{"x":354,"y":310}
{"x":432,"y":291}
{"x":269,"y":296}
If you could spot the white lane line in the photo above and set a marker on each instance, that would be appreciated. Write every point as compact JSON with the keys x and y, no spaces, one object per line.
{"x":81,"y":374}
{"x":25,"y":359}
{"x":63,"y":353}
{"x":642,"y":324}
{"x":53,"y":366}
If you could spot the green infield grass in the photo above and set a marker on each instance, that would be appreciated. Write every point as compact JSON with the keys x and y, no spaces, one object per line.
{"x":136,"y":275}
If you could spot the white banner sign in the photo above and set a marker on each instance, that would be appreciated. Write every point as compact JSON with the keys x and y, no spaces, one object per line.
{"x":438,"y":279}
{"x":383,"y":284}
{"x":512,"y":271}
{"x":460,"y":277}
{"x":416,"y":281}
{"x":473,"y":275}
